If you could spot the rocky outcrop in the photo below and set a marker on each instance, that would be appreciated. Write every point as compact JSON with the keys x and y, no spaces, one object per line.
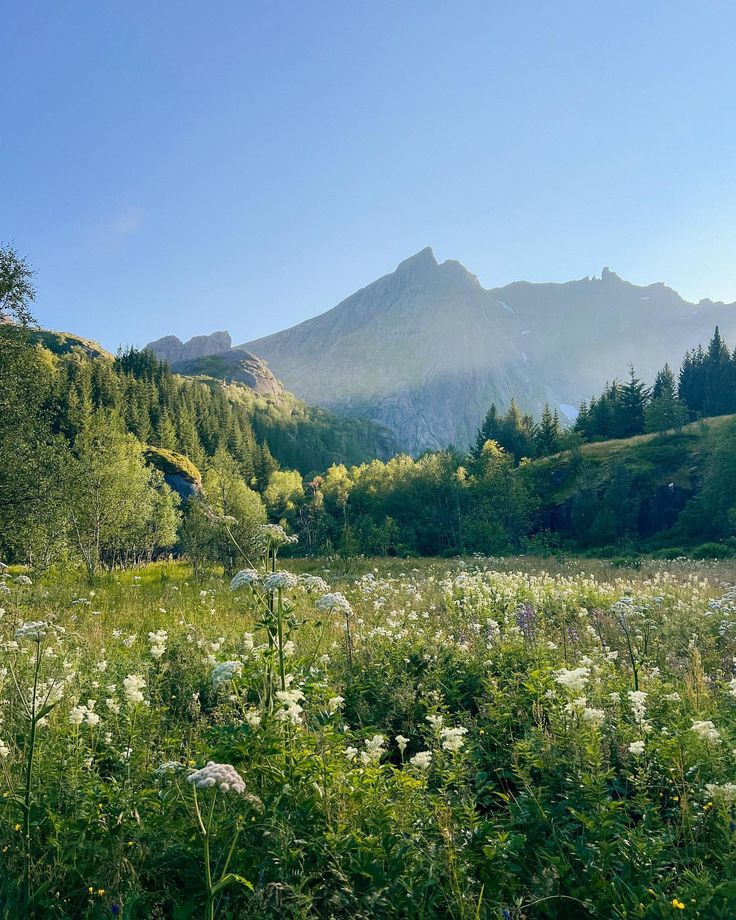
{"x":235,"y":365}
{"x":170,"y":348}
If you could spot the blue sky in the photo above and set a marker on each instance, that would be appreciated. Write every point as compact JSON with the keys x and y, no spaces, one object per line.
{"x":180,"y":167}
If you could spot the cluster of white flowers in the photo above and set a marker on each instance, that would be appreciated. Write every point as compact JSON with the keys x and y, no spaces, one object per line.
{"x":157,"y":641}
{"x":594,"y":717}
{"x":4,"y":749}
{"x":453,"y":738}
{"x":33,"y":630}
{"x":22,"y":580}
{"x":707,"y":731}
{"x":313,"y":583}
{"x":334,"y":601}
{"x":436,"y":721}
{"x":244,"y":577}
{"x":334,"y":703}
{"x":279,"y":581}
{"x":168,"y":767}
{"x":636,"y":748}
{"x":590,"y":716}
{"x":573,"y":680}
{"x":223,"y":776}
{"x":225,"y":671}
{"x":84,"y":713}
{"x":291,"y":710}
{"x":253,"y":718}
{"x":275,"y":535}
{"x":133,"y":686}
{"x":575,"y":707}
{"x":422,"y":760}
{"x":637,"y":701}
{"x":401,"y":742}
{"x":374,"y":750}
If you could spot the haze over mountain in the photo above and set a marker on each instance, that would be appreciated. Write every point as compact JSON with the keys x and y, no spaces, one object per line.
{"x":426,"y":349}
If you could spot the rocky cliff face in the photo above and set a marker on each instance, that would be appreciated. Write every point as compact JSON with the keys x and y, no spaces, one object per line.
{"x":170,"y":348}
{"x":233,"y":365}
{"x":426,"y":349}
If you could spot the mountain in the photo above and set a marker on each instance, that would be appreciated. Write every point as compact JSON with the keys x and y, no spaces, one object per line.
{"x":426,"y":349}
{"x":171,"y":348}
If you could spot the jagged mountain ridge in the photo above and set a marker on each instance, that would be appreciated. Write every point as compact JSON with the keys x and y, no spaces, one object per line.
{"x":426,"y":349}
{"x":170,"y":348}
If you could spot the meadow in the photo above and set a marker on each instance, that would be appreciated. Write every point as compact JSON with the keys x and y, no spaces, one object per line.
{"x":469,"y":738}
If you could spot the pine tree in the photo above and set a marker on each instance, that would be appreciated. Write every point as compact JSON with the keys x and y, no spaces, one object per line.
{"x":547,"y":435}
{"x":488,"y":431}
{"x":691,"y":387}
{"x":629,"y":413}
{"x":664,"y":410}
{"x":719,"y":378}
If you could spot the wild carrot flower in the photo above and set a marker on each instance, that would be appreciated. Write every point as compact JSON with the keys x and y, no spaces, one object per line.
{"x":279,"y":581}
{"x":334,"y":601}
{"x":244,"y":577}
{"x":221,"y":775}
{"x":225,"y":671}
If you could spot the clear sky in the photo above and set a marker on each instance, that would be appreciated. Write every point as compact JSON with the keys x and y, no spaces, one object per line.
{"x":179,"y":167}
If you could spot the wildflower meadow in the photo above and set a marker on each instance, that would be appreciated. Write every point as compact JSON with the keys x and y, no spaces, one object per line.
{"x":478,"y":738}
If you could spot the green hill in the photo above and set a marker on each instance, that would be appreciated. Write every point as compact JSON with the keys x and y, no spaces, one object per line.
{"x":674,"y":489}
{"x":64,"y":343}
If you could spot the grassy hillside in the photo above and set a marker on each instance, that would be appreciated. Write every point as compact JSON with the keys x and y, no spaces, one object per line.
{"x":63,"y":343}
{"x":649,"y":483}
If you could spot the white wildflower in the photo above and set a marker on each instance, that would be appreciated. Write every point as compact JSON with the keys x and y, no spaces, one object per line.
{"x":225,"y":671}
{"x":374,"y":750}
{"x":334,"y":703}
{"x":422,"y":760}
{"x":453,"y":738}
{"x":223,"y":776}
{"x":133,"y":685}
{"x":707,"y":731}
{"x":573,"y":680}
{"x":334,"y":601}
{"x":279,"y":581}
{"x":244,"y":577}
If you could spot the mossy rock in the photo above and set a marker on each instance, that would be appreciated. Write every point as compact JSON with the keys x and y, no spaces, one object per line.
{"x":179,"y":471}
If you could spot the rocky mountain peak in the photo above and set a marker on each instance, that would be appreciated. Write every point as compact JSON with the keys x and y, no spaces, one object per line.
{"x":170,"y":348}
{"x":419,"y":263}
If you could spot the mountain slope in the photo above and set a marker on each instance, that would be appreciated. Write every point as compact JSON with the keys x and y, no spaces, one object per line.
{"x":426,"y":349}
